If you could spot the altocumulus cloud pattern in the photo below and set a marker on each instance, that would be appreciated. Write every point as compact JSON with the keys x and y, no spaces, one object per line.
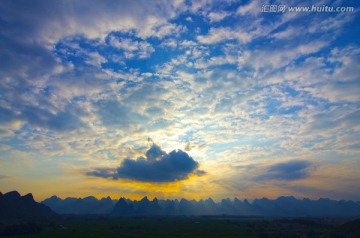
{"x":158,"y":166}
{"x":267,"y":103}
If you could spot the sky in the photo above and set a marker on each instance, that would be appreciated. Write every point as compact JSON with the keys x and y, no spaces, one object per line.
{"x":180,"y":99}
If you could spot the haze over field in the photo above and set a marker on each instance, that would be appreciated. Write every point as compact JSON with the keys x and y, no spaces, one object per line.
{"x":179,"y":99}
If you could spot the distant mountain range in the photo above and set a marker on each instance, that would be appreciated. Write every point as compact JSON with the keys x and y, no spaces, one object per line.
{"x":282,"y":207}
{"x":13,"y":206}
{"x":87,"y":205}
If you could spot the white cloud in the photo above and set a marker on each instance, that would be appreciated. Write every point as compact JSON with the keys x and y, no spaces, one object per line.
{"x":221,"y":34}
{"x":172,"y":43}
{"x":216,"y":61}
{"x":132,"y":48}
{"x":252,"y":8}
{"x":333,"y":24}
{"x":217,"y":16}
{"x":337,"y":92}
{"x":348,"y":60}
{"x":167,"y":29}
{"x":188,"y":43}
{"x":94,"y":19}
{"x":95,"y":59}
{"x":288,"y":33}
{"x":271,"y":59}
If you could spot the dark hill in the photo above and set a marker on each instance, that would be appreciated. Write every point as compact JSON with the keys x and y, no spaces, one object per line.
{"x":351,"y":227}
{"x":13,"y":206}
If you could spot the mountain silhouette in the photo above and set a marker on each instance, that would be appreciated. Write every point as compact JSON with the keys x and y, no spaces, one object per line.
{"x":280,"y":207}
{"x":13,"y":206}
{"x":87,"y":205}
{"x":123,"y":208}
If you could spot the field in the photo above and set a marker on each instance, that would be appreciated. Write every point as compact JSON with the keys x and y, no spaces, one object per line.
{"x":185,"y":227}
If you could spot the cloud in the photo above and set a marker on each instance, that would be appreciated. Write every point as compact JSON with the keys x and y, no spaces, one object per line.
{"x":61,"y":121}
{"x":217,"y":16}
{"x":158,"y":166}
{"x":273,"y":58}
{"x":41,"y":118}
{"x":50,"y":21}
{"x":221,"y":34}
{"x":252,"y":8}
{"x":172,"y":43}
{"x":132,"y":48}
{"x":168,"y":29}
{"x":288,"y":33}
{"x":114,"y":114}
{"x":334,"y":119}
{"x":6,"y":116}
{"x":290,"y":170}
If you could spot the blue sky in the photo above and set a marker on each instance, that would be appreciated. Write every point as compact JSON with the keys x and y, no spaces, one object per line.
{"x":179,"y":99}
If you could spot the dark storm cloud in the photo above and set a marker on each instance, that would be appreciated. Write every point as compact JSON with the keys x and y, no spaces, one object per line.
{"x":158,"y":166}
{"x":290,"y":170}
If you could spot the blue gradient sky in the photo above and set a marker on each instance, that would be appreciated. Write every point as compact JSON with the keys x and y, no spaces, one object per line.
{"x":179,"y":99}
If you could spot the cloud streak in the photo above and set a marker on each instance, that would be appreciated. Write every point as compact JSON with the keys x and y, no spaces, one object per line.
{"x":287,"y":171}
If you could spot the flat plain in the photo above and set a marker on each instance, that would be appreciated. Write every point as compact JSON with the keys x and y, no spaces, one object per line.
{"x":192,"y":226}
